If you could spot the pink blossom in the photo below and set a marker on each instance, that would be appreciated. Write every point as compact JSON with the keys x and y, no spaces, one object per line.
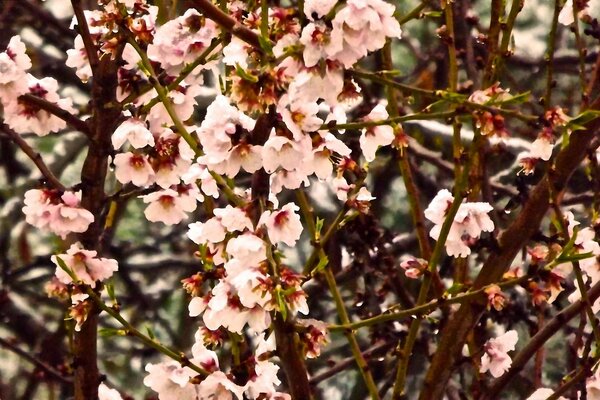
{"x":198,"y":173}
{"x":183,"y":100}
{"x":566,"y":16}
{"x":319,"y":43}
{"x":210,"y":231}
{"x":299,"y":117}
{"x":106,"y":393}
{"x":280,"y":151}
{"x":310,"y":85}
{"x":171,"y":381}
{"x":217,"y":386}
{"x":58,"y":213}
{"x":13,"y":64}
{"x":496,"y":358}
{"x":247,"y":248}
{"x":318,"y":8}
{"x":85,"y":264}
{"x":470,"y":220}
{"x":25,"y":117}
{"x":77,"y":58}
{"x":134,"y":168}
{"x":364,"y":26}
{"x":283,"y":225}
{"x":288,"y":179}
{"x":135,"y":132}
{"x":172,"y":160}
{"x":376,"y":136}
{"x":165,"y":206}
{"x":543,"y":394}
{"x":181,"y":40}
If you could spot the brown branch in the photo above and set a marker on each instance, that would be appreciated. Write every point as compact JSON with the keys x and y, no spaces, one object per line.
{"x":229,"y":24}
{"x":38,"y":363}
{"x":53,"y":109}
{"x":34,"y":156}
{"x":510,"y":243}
{"x":105,"y":117}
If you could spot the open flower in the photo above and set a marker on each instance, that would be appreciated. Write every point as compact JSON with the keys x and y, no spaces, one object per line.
{"x":85,"y":264}
{"x":376,"y":136}
{"x":283,"y":225}
{"x":496,"y":358}
{"x":469,"y":222}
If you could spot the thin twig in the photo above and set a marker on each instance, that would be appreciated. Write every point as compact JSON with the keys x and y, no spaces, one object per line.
{"x":34,"y":156}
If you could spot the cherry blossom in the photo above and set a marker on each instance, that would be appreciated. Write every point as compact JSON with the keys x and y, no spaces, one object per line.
{"x":171,"y":381}
{"x":134,"y":168}
{"x":181,"y":40}
{"x":318,"y":8}
{"x":172,"y":158}
{"x":59,"y":213}
{"x":24,"y":117}
{"x":364,"y":26}
{"x":319,"y":43}
{"x":283,"y":225}
{"x":85,"y":264}
{"x":470,"y":220}
{"x":13,"y":64}
{"x":167,"y":206}
{"x":543,"y":394}
{"x":376,"y":136}
{"x":106,"y":393}
{"x":496,"y":358}
{"x":134,"y":131}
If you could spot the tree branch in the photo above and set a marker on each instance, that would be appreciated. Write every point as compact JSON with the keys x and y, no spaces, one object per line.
{"x":34,"y":156}
{"x":53,"y":109}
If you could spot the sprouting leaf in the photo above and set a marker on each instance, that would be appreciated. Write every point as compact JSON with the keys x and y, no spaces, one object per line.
{"x":578,"y":122}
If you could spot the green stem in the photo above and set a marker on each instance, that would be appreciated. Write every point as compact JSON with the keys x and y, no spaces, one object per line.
{"x":413,"y":14}
{"x":427,"y":308}
{"x":307,"y":214}
{"x":391,"y":121}
{"x":581,"y":52}
{"x":550,"y":55}
{"x":459,"y":194}
{"x":363,"y":367}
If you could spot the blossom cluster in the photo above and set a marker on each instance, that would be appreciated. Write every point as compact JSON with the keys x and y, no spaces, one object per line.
{"x":276,"y":120}
{"x":470,"y":221}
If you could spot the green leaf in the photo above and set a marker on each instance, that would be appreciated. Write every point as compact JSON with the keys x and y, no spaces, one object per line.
{"x":583,"y":118}
{"x":241,"y":72}
{"x":518,"y":99}
{"x":64,"y":267}
{"x":110,"y":289}
{"x":108,"y":332}
{"x":151,"y":334}
{"x":455,"y":289}
{"x":323,"y":262}
{"x":265,"y":44}
{"x":281,"y":302}
{"x":318,"y":227}
{"x":433,"y":14}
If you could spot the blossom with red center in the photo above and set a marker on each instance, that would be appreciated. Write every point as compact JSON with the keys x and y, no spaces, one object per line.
{"x":85,"y":265}
{"x":283,"y":225}
{"x":24,"y":117}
